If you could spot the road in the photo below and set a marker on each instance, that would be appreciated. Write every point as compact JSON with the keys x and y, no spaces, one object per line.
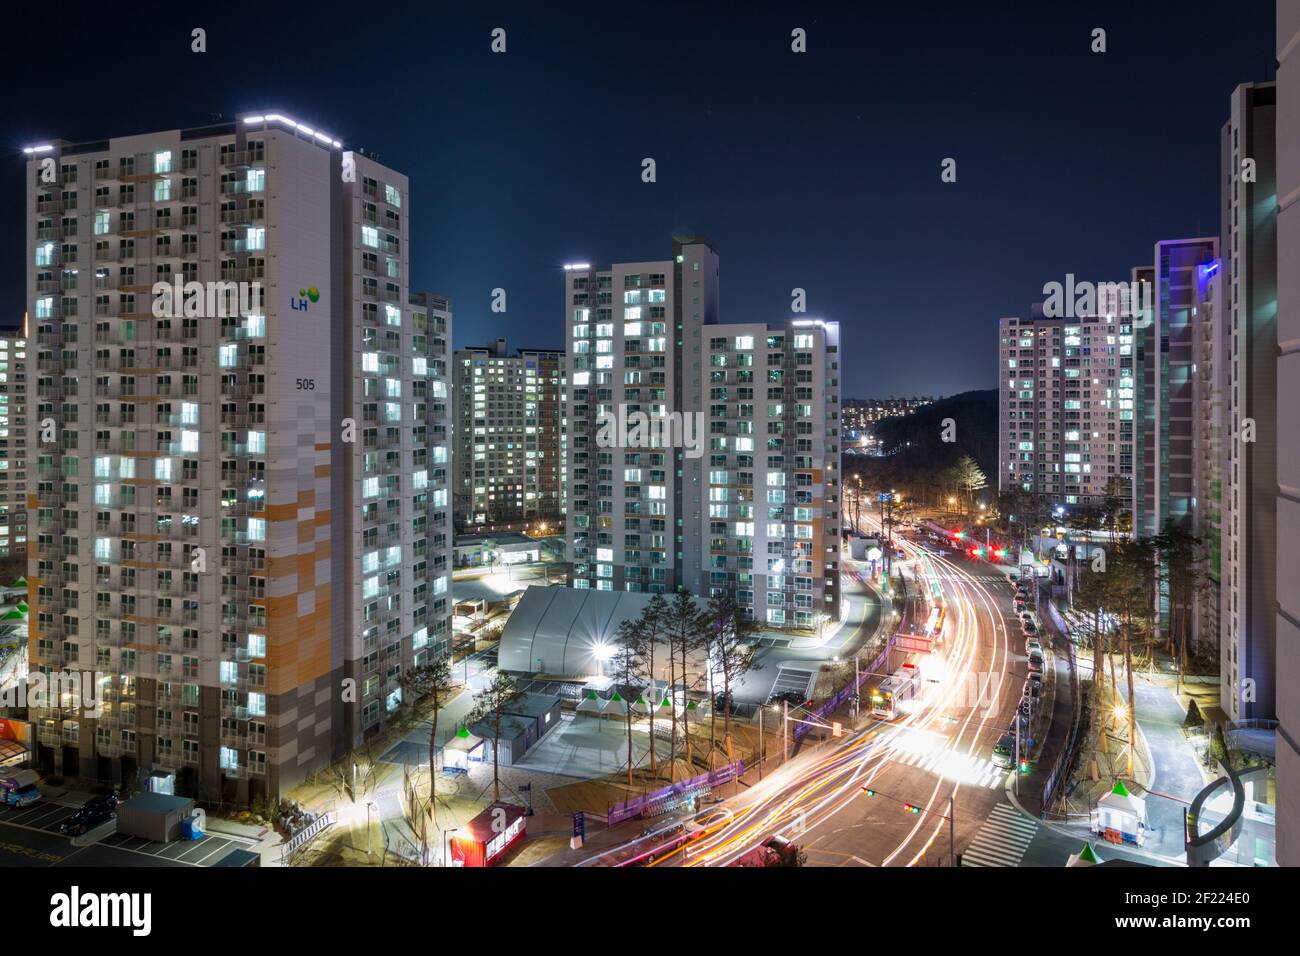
{"x":936,"y":753}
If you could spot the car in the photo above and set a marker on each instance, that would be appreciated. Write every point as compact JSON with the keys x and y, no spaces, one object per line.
{"x":1004,"y":751}
{"x":1035,"y":664}
{"x":1032,"y":645}
{"x":1033,"y":689}
{"x":661,"y":832}
{"x":1036,"y":677}
{"x":1020,"y":607}
{"x":791,"y":697}
{"x":93,"y":812}
{"x":23,"y":796}
{"x":1028,"y":628}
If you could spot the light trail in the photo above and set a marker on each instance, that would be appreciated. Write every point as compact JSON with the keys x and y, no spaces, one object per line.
{"x":830,"y":782}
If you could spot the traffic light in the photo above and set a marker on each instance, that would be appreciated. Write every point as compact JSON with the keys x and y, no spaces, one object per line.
{"x":999,"y":552}
{"x":911,"y":809}
{"x":868,"y":791}
{"x":959,"y":535}
{"x":1024,"y":766}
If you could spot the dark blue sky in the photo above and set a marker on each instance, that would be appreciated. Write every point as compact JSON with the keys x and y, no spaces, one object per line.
{"x":818,"y":170}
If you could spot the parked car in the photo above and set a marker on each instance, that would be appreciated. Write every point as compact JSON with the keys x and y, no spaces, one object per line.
{"x":1032,"y":646}
{"x":1028,"y":628}
{"x":1032,"y":690}
{"x":18,"y":788}
{"x":93,"y":812}
{"x":791,"y":697}
{"x":1035,"y":663}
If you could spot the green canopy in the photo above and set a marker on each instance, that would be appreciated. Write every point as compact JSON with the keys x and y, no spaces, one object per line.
{"x":691,"y":705}
{"x":463,"y":732}
{"x":13,"y":616}
{"x":1087,"y":855}
{"x":1120,"y":789}
{"x":616,"y":696}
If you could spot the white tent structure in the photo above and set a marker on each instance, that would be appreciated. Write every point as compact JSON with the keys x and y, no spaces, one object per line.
{"x":571,"y":632}
{"x":1120,"y":817}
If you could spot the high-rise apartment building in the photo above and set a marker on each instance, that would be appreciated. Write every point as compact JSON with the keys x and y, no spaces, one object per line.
{"x":510,"y":455}
{"x":771,"y":513}
{"x":245,"y":507}
{"x":1167,"y":356}
{"x":1287,"y":555}
{"x":14,"y":438}
{"x":1067,"y":403}
{"x":1248,"y":598}
{"x":743,"y":494}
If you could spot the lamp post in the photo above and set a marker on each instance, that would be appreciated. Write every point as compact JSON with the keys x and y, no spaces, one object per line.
{"x":446,"y":853}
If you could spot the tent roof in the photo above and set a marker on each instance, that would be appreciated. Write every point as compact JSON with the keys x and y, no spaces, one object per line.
{"x":557,"y":630}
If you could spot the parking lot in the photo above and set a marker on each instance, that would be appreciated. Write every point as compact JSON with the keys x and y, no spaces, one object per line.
{"x":29,"y":836}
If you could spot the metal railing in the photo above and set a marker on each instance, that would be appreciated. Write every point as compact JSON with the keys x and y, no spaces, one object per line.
{"x":305,"y":836}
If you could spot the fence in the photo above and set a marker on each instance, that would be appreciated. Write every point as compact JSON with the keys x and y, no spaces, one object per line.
{"x":1065,"y":759}
{"x":305,"y":835}
{"x":667,"y":798}
{"x":851,"y":689}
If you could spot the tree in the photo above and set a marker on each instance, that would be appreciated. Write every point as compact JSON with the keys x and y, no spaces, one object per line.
{"x":491,"y":704}
{"x":732,"y":633}
{"x":431,"y":681}
{"x":968,"y":478}
{"x":685,"y":625}
{"x":629,"y":664}
{"x":1181,"y":556}
{"x":654,"y":618}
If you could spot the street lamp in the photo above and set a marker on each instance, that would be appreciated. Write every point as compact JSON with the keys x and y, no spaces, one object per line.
{"x":446,"y":853}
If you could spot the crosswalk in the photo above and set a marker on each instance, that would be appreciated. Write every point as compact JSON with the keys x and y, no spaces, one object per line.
{"x":966,"y":769}
{"x":1002,"y":840}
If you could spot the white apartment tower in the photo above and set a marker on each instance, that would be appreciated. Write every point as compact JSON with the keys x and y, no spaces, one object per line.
{"x":510,"y":454}
{"x":242,"y":524}
{"x":1288,"y":437}
{"x":14,"y":436}
{"x":1249,"y":565}
{"x":1066,"y":404}
{"x":745,"y":499}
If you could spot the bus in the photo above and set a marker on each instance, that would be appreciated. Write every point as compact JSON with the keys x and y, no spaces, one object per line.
{"x":903,"y":685}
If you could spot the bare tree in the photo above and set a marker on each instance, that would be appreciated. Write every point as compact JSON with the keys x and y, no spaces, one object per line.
{"x":491,"y":704}
{"x":685,"y":625}
{"x":629,"y":664}
{"x":732,"y":633}
{"x":654,"y":619}
{"x":432,"y":682}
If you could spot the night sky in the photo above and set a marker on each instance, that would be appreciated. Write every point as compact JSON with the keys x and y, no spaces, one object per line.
{"x":818,"y":170}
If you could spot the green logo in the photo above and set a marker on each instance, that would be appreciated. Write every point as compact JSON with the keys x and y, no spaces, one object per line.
{"x":313,"y":293}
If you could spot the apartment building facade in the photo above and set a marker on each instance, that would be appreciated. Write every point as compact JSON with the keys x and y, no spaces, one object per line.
{"x":1287,"y":556}
{"x":1250,"y":451}
{"x":15,"y":434}
{"x":239,"y":509}
{"x":1066,"y":406}
{"x":754,"y":468}
{"x":510,"y":436}
{"x":773,"y":474}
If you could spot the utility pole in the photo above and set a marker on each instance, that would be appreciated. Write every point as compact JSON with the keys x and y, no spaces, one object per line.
{"x":952,"y":830}
{"x":761,"y":708}
{"x":785,"y":731}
